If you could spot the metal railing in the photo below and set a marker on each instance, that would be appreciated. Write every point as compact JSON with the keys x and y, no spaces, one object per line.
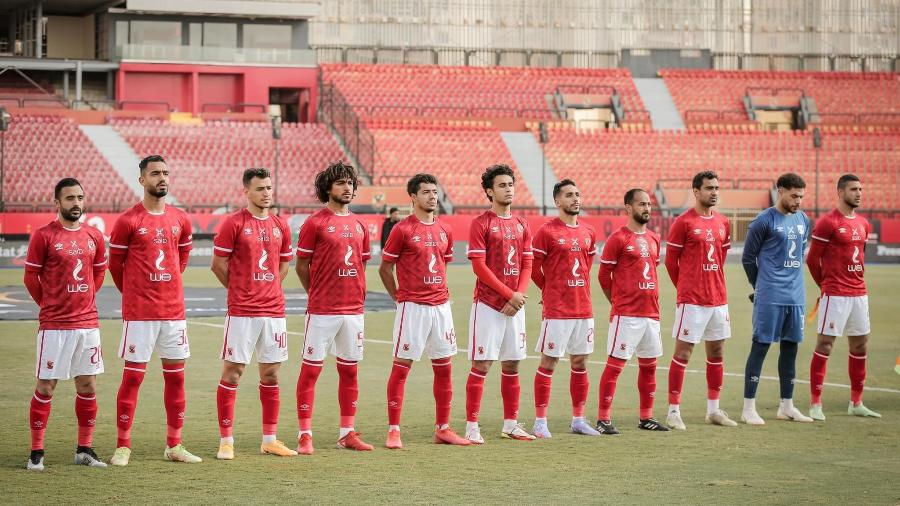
{"x":342,"y":119}
{"x":236,"y":55}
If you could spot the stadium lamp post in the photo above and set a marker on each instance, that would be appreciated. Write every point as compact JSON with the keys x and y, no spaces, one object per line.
{"x":4,"y":126}
{"x":542,"y":130}
{"x":276,"y":136}
{"x":817,"y":146}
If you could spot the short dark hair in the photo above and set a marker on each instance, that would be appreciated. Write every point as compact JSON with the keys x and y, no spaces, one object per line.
{"x":790,"y":181}
{"x":65,"y":183}
{"x":332,"y":173}
{"x":393,"y":210}
{"x":490,"y":173}
{"x":846,"y":178}
{"x":412,"y":186}
{"x":251,"y":173}
{"x":557,"y":188}
{"x":697,"y":183}
{"x":629,"y":195}
{"x":150,"y":159}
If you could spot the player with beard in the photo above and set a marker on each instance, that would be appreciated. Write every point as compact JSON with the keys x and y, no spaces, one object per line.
{"x":628,"y":278}
{"x":64,"y":269}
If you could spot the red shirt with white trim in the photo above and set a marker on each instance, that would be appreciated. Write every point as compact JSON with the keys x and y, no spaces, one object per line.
{"x":704,"y":242}
{"x":567,"y":253}
{"x":633,"y":259}
{"x":338,"y":248}
{"x":503,"y":242}
{"x":151,"y":243}
{"x":843,"y":261}
{"x":255,"y":248}
{"x":421,"y":252}
{"x":66,"y":261}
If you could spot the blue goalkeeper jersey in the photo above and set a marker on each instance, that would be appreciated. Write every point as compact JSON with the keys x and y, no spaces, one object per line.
{"x":773,"y":257}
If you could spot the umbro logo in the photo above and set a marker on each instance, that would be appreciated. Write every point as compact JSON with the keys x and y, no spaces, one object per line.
{"x":142,"y":231}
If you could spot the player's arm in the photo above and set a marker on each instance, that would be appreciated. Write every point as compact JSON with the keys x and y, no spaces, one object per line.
{"x":185,"y":244}
{"x":476,"y":253}
{"x":283,"y":268}
{"x":286,"y":253}
{"x":609,"y":258}
{"x":33,"y":284}
{"x":100,"y":262}
{"x":223,"y":247}
{"x":306,"y":244}
{"x":302,"y":270}
{"x":389,"y":256}
{"x":118,"y":250}
{"x":220,"y":268}
{"x":34,"y":265}
{"x":537,"y":270}
{"x":821,"y":236}
{"x":756,"y":236}
{"x":386,"y":272}
{"x":674,"y":247}
{"x":527,"y":263}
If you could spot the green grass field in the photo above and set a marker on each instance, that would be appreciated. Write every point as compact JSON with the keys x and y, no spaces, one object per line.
{"x":844,"y":460}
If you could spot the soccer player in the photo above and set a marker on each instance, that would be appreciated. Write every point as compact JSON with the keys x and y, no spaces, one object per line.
{"x":64,"y":269}
{"x":564,"y":250}
{"x":773,"y":257}
{"x":332,"y":252}
{"x":628,"y":278}
{"x":500,"y":251}
{"x":253,"y":251}
{"x":695,"y":259}
{"x":420,"y":247}
{"x":149,"y":249}
{"x":836,"y":261}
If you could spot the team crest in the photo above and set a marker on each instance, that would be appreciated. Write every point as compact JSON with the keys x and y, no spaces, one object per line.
{"x":831,"y":325}
{"x":358,"y":229}
{"x":405,"y":346}
{"x":622,"y":346}
{"x":230,"y":351}
{"x":91,"y":245}
{"x":551,"y":346}
{"x":520,"y":228}
{"x":49,"y":364}
{"x":481,"y":350}
{"x":443,"y":237}
{"x":175,"y":230}
{"x":309,"y":350}
{"x":131,"y":349}
{"x":801,"y":229}
{"x":722,"y":233}
{"x":686,"y":332}
{"x":587,"y":242}
{"x":276,"y":232}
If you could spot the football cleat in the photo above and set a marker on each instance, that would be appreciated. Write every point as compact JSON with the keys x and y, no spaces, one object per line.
{"x":352,"y":441}
{"x":540,"y":430}
{"x":606,"y":428}
{"x":652,"y":424}
{"x":793,"y":414}
{"x":816,"y":413}
{"x":121,"y":456}
{"x":85,"y":456}
{"x":720,"y":418}
{"x":226,"y":452}
{"x":179,"y":453}
{"x":860,"y":410}
{"x":752,"y":418}
{"x":518,"y":433}
{"x":448,"y":437}
{"x":35,"y":461}
{"x":674,"y":421}
{"x":393,"y":440}
{"x":276,"y":448}
{"x":581,"y":426}
{"x":473,"y":435}
{"x":304,"y":445}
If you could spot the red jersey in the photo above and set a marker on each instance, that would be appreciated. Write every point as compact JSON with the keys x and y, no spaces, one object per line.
{"x":338,"y":248}
{"x":421,"y":252}
{"x":843,"y":266}
{"x":633,"y":259}
{"x":704,"y":242}
{"x":567,"y":253}
{"x":66,"y":260}
{"x":150,"y":244}
{"x":255,"y":248}
{"x":503,"y":243}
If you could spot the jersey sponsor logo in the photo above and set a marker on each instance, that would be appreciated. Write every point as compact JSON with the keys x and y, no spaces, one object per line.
{"x":712,"y":265}
{"x":648,"y":284}
{"x":350,"y":272}
{"x":261,"y":264}
{"x":855,"y":236}
{"x":645,"y":249}
{"x":792,"y":262}
{"x":575,"y":274}
{"x":430,"y":242}
{"x":77,"y":287}
{"x":432,"y":280}
{"x":75,"y":249}
{"x":160,"y":276}
{"x":709,"y":235}
{"x":857,"y":265}
{"x":346,"y":232}
{"x":575,"y":246}
{"x":513,"y":270}
{"x":160,"y":237}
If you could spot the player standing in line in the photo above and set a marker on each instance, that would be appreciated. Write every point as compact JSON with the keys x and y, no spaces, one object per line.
{"x":500,"y":251}
{"x":332,"y":252}
{"x":628,"y":278}
{"x":836,"y":262}
{"x":695,"y":259}
{"x":773,"y":260}
{"x":421,"y":246}
{"x":64,"y":269}
{"x":253,"y":252}
{"x":564,"y":250}
{"x":149,"y":249}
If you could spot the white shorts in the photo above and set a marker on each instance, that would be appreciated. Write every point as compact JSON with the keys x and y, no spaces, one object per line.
{"x":495,"y":336}
{"x":629,"y":335}
{"x":558,"y":337}
{"x":342,"y":335}
{"x":167,"y":337}
{"x":701,"y":323}
{"x":64,"y":354}
{"x":266,"y":335}
{"x":419,"y":328}
{"x":840,"y":316}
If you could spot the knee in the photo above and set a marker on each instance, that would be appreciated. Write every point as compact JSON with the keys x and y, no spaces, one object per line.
{"x":683,"y":355}
{"x":510,"y":367}
{"x":85,"y":388}
{"x":44,"y":388}
{"x":859,"y":349}
{"x":269,"y":377}
{"x":549,"y":363}
{"x":824,"y":347}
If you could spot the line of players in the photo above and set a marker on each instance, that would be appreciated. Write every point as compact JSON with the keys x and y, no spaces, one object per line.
{"x":149,"y":249}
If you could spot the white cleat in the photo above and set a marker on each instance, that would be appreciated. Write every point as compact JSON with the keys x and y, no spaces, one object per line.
{"x":179,"y":453}
{"x":121,"y":456}
{"x":793,"y":414}
{"x":35,"y":461}
{"x":816,"y":413}
{"x":473,"y":434}
{"x":518,"y":433}
{"x":720,"y":418}
{"x":87,"y":457}
{"x":674,"y":421}
{"x":752,"y":418}
{"x":540,"y":430}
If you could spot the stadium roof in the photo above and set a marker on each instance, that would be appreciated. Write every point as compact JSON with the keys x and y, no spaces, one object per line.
{"x":63,"y":6}
{"x":296,"y":9}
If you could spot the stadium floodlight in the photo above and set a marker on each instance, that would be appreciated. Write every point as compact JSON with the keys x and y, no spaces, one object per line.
{"x":4,"y":126}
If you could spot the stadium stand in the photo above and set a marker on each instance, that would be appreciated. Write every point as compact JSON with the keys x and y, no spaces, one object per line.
{"x":40,"y":150}
{"x":208,"y":159}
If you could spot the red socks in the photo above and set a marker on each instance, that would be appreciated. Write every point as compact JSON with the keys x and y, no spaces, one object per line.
{"x":676,"y":380}
{"x":38,"y":416}
{"x":817,"y":368}
{"x":86,"y":412}
{"x":608,"y":381}
{"x":510,"y":391}
{"x":646,"y":385}
{"x":543,"y":381}
{"x":443,"y":391}
{"x":715,"y":376}
{"x":579,"y":384}
{"x":857,"y":370}
{"x":226,"y":394}
{"x":269,"y":397}
{"x":395,"y":388}
{"x":174,"y":400}
{"x":126,"y":401}
{"x":348,"y":392}
{"x":306,"y":392}
{"x":474,"y":391}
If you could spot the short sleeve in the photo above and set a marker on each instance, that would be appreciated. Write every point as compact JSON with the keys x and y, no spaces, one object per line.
{"x":610,"y":254}
{"x":287,"y":248}
{"x":595,"y":248}
{"x":448,"y":253}
{"x":539,"y":244}
{"x":675,"y":239}
{"x":186,"y":240}
{"x":394,"y":245}
{"x":477,"y":244}
{"x":658,"y":246}
{"x":367,"y":244}
{"x":823,"y":229}
{"x":100,"y":259}
{"x":526,"y":239}
{"x":727,"y":243}
{"x":224,"y":242}
{"x":120,"y":237}
{"x":306,"y":243}
{"x":37,"y":252}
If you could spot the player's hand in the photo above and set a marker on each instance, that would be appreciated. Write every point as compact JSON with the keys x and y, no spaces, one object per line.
{"x":751,"y":297}
{"x":517,"y":300}
{"x":508,"y":310}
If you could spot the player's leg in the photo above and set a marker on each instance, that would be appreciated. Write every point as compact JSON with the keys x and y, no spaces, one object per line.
{"x":318,"y":337}
{"x":410,"y":322}
{"x":87,"y":363}
{"x":619,"y":349}
{"x":580,"y":346}
{"x":38,"y":417}
{"x":174,"y":349}
{"x":53,"y":362}
{"x":441,"y":347}
{"x":237,"y":349}
{"x":136,"y":347}
{"x":684,"y":331}
{"x":766,"y":318}
{"x":348,"y":350}
{"x":648,"y":350}
{"x":817,"y":368}
{"x":271,"y":352}
{"x":396,"y":389}
{"x":858,"y":329}
{"x":791,"y":336}
{"x":512,"y":351}
{"x":551,"y":345}
{"x":715,"y":378}
{"x":485,"y":335}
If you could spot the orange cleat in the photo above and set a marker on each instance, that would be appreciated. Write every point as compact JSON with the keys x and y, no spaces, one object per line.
{"x":393,"y":440}
{"x":304,"y":445}
{"x":352,"y":441}
{"x":448,"y":437}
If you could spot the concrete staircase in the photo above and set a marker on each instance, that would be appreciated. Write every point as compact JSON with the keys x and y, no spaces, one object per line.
{"x":663,"y":113}
{"x":527,"y":154}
